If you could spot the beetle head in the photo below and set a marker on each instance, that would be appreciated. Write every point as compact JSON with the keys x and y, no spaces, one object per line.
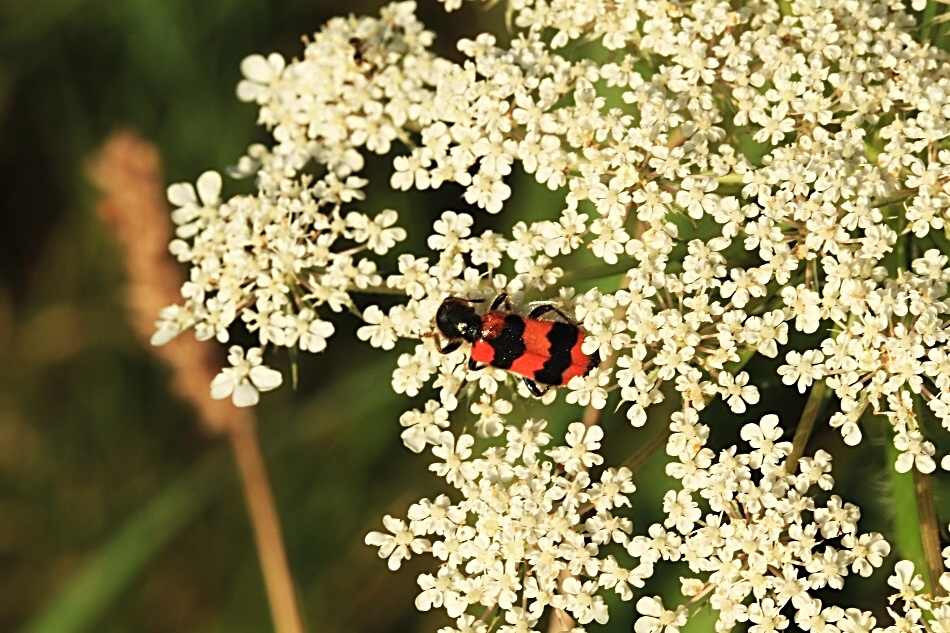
{"x":457,"y":319}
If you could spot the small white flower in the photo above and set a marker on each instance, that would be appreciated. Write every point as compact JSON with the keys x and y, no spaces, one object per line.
{"x":487,"y":192}
{"x":656,"y":618}
{"x":379,"y":330}
{"x":682,"y":512}
{"x":455,"y":467}
{"x":449,"y":231}
{"x":762,"y":437}
{"x":376,"y":233}
{"x":441,"y":590}
{"x":424,"y":427}
{"x":183,"y":194}
{"x":491,"y":415}
{"x":246,"y":377}
{"x":908,"y":585}
{"x":766,"y":617}
{"x":736,"y":391}
{"x":589,"y":389}
{"x":399,"y":545}
{"x":802,"y":368}
{"x":867,"y":550}
{"x":411,"y":373}
{"x":314,"y":338}
{"x":580,"y":452}
{"x":260,"y":72}
{"x":915,"y":451}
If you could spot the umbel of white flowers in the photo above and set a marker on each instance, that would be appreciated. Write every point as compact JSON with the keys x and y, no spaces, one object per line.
{"x":642,"y":158}
{"x":759,"y":172}
{"x":530,"y":530}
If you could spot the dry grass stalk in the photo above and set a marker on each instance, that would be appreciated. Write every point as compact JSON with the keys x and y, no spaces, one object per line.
{"x":128,"y":172}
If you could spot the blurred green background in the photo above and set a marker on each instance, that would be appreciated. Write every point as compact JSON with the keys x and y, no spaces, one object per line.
{"x":117,"y":513}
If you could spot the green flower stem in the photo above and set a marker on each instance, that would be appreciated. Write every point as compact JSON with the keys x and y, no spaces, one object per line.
{"x":294,"y":369}
{"x":908,"y":527}
{"x":816,"y":400}
{"x":730,"y":179}
{"x":926,"y":19}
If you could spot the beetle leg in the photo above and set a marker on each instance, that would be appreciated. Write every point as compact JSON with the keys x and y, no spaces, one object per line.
{"x":593,"y":362}
{"x":533,"y":388}
{"x":450,"y":347}
{"x":501,"y":299}
{"x":473,"y":366}
{"x":550,"y":307}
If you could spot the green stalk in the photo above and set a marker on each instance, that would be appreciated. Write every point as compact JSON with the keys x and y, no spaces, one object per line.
{"x":109,"y":572}
{"x":926,"y":18}
{"x":908,"y":527}
{"x":816,"y":400}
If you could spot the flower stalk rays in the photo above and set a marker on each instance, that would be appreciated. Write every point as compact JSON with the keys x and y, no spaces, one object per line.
{"x":769,"y":180}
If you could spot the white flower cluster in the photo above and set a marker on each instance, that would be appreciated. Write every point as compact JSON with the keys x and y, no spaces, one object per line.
{"x":526,"y":535}
{"x":766,"y":177}
{"x":528,"y":532}
{"x":755,"y":169}
{"x":765,"y":540}
{"x":828,"y":233}
{"x":273,"y":259}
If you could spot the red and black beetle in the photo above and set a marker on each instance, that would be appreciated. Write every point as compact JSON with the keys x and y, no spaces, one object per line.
{"x":546,"y":352}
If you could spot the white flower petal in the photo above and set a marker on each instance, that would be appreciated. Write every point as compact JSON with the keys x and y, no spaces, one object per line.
{"x":181,"y":194}
{"x":245,"y":395}
{"x":223,"y":385}
{"x":265,"y":378}
{"x":209,"y":188}
{"x":260,"y":69}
